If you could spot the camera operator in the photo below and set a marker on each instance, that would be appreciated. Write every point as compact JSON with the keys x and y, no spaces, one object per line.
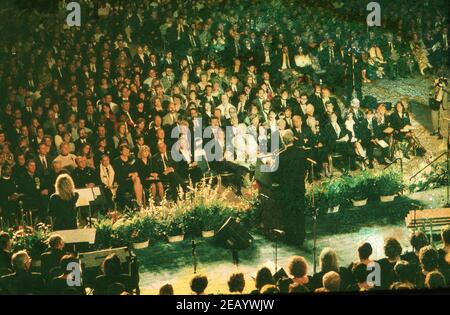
{"x":438,"y":102}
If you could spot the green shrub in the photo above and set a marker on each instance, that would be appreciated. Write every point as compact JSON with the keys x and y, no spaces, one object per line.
{"x":388,"y":183}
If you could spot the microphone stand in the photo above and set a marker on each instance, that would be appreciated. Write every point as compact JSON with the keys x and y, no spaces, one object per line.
{"x":448,"y":163}
{"x":194,"y":255}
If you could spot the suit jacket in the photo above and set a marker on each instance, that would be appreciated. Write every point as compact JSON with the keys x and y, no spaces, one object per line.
{"x":22,"y":283}
{"x":40,"y":168}
{"x":159,"y":165}
{"x":31,"y":186}
{"x":331,"y":135}
{"x":302,"y":138}
{"x":50,"y":260}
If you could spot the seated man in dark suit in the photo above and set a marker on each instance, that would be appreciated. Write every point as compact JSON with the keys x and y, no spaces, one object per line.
{"x":165,"y":166}
{"x":22,"y":281}
{"x":84,"y":176}
{"x":51,"y":258}
{"x":9,"y":203}
{"x":187,"y":166}
{"x":5,"y":254}
{"x":339,"y":141}
{"x":302,"y":135}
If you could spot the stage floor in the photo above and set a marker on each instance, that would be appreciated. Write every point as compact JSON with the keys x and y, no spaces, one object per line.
{"x":173,"y":264}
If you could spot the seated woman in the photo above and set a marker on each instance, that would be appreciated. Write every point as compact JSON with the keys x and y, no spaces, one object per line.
{"x":355,"y":133}
{"x":319,"y":151}
{"x":62,"y":205}
{"x":420,"y":53}
{"x":86,"y":151}
{"x":401,"y":123}
{"x":126,"y":174}
{"x":149,"y":178}
{"x":376,"y":63}
{"x":123,"y":135}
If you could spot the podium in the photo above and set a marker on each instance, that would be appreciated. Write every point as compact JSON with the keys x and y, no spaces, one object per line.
{"x":77,"y":236}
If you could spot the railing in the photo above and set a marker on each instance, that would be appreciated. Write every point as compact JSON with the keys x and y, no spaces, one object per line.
{"x":429,"y":164}
{"x":395,"y":162}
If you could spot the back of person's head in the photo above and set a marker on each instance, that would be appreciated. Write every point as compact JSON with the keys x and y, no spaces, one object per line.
{"x":364,"y":251}
{"x":21,"y":261}
{"x":263,"y":276}
{"x":116,"y":288}
{"x":360,"y":273}
{"x":298,"y":267}
{"x":54,"y":241}
{"x":418,"y":240}
{"x":269,"y":289}
{"x":111,"y":266}
{"x":445,"y":235}
{"x":331,"y":281}
{"x":166,"y":289}
{"x":199,"y":284}
{"x":67,"y":263}
{"x":402,"y":286}
{"x":328,"y":260}
{"x":298,"y":288}
{"x":4,"y":241}
{"x":429,"y":258}
{"x":404,"y":271}
{"x":392,"y":248}
{"x":236,"y":283}
{"x":435,"y":280}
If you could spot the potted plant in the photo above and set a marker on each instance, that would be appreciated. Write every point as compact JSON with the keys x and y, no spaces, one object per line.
{"x":335,"y":192}
{"x":139,"y":237}
{"x":104,"y":235}
{"x":359,"y":188}
{"x":210,"y":219}
{"x":388,"y":185}
{"x":172,"y":226}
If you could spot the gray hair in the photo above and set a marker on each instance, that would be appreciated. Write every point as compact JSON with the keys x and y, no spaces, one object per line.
{"x":19,"y":260}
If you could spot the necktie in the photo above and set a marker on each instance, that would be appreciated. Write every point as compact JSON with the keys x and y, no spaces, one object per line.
{"x":44,"y":162}
{"x":164,"y":161}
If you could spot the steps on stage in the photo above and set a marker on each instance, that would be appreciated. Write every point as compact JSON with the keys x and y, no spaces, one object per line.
{"x":428,"y":219}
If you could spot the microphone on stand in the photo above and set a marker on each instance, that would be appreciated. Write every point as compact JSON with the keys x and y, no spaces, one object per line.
{"x":194,"y":254}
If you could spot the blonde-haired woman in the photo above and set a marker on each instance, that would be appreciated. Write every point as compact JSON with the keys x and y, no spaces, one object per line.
{"x":62,"y":205}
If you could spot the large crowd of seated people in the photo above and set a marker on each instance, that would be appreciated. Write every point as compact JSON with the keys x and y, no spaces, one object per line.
{"x":77,"y":100}
{"x":425,"y":267}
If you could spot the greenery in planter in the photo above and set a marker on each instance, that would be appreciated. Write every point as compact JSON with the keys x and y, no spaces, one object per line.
{"x":388,"y":184}
{"x":360,"y":186}
{"x":172,"y":223}
{"x":105,"y":236}
{"x":34,"y":241}
{"x":336,"y":192}
{"x":436,"y":178}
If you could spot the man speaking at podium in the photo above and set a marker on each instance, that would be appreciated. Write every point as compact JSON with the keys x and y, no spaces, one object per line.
{"x":291,"y":179}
